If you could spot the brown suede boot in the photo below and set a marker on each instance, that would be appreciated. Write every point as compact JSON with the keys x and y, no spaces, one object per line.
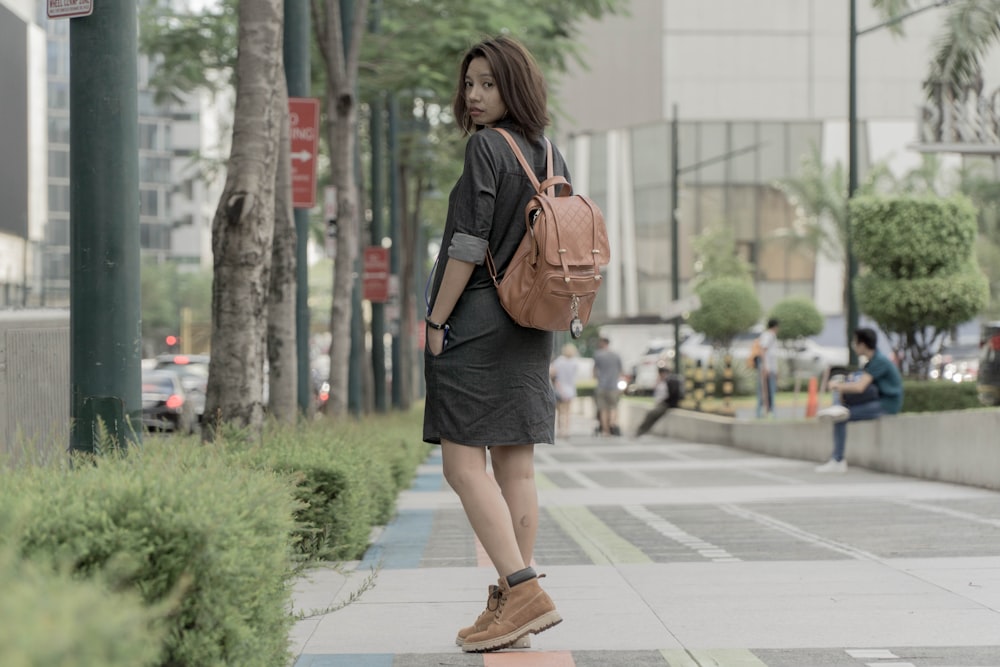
{"x":483,"y":622}
{"x":523,"y":609}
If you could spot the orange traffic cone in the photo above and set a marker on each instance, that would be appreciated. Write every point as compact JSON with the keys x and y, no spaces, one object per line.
{"x":812,"y":402}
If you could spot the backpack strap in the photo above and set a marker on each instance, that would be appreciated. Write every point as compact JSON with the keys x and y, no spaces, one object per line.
{"x":550,"y":180}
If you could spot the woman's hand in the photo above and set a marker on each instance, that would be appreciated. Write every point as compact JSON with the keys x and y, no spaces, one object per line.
{"x":435,"y":341}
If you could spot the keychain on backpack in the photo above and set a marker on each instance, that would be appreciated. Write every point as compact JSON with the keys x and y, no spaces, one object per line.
{"x":575,"y":325}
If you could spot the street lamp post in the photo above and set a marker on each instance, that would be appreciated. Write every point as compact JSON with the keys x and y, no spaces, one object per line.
{"x":675,"y":176}
{"x":852,"y":153}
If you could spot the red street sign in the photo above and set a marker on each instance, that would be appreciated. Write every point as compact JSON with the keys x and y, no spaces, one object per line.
{"x":375,"y":274}
{"x":303,"y":120}
{"x":64,"y":9}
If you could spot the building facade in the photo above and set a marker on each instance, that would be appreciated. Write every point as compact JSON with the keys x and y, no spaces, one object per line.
{"x":757,"y":87}
{"x":178,"y":193}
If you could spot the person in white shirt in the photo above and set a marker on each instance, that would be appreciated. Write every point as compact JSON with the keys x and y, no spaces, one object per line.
{"x":767,"y":369}
{"x":563,"y":373}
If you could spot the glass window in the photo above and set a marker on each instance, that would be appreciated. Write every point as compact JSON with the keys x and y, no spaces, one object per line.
{"x":58,"y":94}
{"x":154,"y":170}
{"x":58,"y":163}
{"x":57,"y":232}
{"x":148,"y":135}
{"x":57,"y":58}
{"x":58,"y":130}
{"x":149,"y":202}
{"x":59,"y":198}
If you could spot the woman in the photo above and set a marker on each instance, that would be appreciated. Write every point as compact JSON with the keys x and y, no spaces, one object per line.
{"x":488,"y":378}
{"x":563,"y":373}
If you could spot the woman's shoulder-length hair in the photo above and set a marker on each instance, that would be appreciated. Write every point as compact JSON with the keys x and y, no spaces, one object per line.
{"x":520,"y":83}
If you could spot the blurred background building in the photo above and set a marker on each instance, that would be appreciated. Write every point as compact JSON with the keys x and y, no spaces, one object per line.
{"x":178,"y":141}
{"x":764,"y":82}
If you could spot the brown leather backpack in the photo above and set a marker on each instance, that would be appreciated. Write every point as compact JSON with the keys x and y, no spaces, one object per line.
{"x":553,"y":278}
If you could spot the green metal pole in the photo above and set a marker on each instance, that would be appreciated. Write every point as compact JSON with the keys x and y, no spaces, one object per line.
{"x":105,"y":333}
{"x":298,"y":75}
{"x":355,"y":402}
{"x":376,"y":109}
{"x":675,"y":262}
{"x":395,"y":260}
{"x":852,"y":182}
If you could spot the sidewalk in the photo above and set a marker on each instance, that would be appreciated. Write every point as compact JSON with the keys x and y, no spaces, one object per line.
{"x":680,"y":554}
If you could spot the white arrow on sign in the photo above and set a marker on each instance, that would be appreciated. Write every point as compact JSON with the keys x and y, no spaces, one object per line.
{"x":302,"y":156}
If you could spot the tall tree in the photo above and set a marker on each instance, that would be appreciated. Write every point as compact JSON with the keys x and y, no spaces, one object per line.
{"x":971,"y":30}
{"x":243,"y":226}
{"x":282,"y":347}
{"x":198,"y":51}
{"x":340,"y":45}
{"x":921,"y":278}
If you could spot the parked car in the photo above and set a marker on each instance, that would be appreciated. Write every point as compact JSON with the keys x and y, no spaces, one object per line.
{"x":165,"y":406}
{"x":989,"y":364}
{"x":956,"y":363}
{"x":193,"y":372}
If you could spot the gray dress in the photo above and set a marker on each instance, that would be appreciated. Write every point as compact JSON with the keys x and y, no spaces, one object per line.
{"x":490,"y":385}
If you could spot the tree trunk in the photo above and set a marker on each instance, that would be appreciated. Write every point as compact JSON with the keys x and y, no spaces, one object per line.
{"x":341,"y":59}
{"x":341,"y":131}
{"x":282,"y":350}
{"x":243,"y":227}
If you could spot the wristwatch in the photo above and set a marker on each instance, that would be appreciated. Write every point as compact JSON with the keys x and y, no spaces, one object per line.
{"x":434,"y":325}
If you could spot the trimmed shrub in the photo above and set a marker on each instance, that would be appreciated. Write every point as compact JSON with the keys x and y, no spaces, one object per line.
{"x":937,"y":396}
{"x":173,"y":523}
{"x":346,"y":476}
{"x":52,"y":619}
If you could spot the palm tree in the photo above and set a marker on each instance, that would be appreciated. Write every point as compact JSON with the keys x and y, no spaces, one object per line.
{"x":971,"y":30}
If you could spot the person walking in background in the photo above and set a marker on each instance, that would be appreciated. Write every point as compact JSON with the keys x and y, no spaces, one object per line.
{"x":563,"y":372}
{"x":487,"y":378}
{"x":767,"y":369}
{"x":608,"y":371}
{"x":876,"y":391}
{"x":667,"y":394}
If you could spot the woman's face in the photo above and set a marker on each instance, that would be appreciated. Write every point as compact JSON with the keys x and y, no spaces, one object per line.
{"x":482,"y":96}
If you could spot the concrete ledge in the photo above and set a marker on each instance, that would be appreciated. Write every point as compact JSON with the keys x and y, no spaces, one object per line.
{"x":959,"y":446}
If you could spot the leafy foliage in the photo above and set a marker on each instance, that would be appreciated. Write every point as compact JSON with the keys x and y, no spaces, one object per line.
{"x":971,"y":30}
{"x":799,"y":318}
{"x":191,"y":51}
{"x":92,"y":624}
{"x":913,"y":237}
{"x":729,"y":306}
{"x":174,"y":524}
{"x":921,"y":277}
{"x":716,"y":255}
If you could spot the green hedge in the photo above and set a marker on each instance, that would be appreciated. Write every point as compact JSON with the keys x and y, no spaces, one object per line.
{"x":176,"y":523}
{"x":213,"y":533}
{"x":346,"y":476}
{"x":939,"y":395}
{"x":52,"y":619}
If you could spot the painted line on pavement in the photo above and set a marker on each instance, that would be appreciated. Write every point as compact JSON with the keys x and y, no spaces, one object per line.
{"x":532,"y":659}
{"x":947,"y":511}
{"x":678,"y":657}
{"x":346,"y":660}
{"x":798,"y":533}
{"x":871,"y":654}
{"x":601,"y":544}
{"x":581,"y":479}
{"x":672,"y":532}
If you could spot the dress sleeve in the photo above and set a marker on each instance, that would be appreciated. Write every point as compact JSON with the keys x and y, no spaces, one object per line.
{"x":474,"y":202}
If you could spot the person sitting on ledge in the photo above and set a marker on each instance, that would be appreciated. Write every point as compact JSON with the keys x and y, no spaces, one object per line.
{"x":876,"y":391}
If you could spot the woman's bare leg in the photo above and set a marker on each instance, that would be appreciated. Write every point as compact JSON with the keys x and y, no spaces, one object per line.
{"x":514,"y":470}
{"x":485,"y":506}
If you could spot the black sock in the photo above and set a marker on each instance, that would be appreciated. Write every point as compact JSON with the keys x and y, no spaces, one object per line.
{"x":521,"y":576}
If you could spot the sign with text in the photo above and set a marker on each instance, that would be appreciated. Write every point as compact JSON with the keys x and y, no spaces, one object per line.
{"x":375,"y":274}
{"x":67,"y":9}
{"x":303,"y":121}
